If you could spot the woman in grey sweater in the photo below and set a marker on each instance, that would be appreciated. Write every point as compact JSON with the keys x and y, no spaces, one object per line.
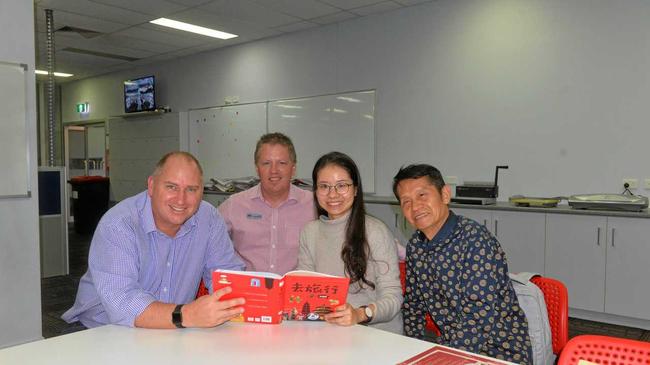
{"x":344,"y":241}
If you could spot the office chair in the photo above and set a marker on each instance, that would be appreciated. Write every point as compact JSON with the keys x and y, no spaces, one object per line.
{"x":605,"y":350}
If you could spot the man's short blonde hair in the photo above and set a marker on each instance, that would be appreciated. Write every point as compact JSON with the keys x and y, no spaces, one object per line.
{"x":276,"y":138}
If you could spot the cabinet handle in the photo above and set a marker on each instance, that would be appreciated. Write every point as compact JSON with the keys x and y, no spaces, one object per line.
{"x":613,"y":231}
{"x":485,"y":222}
{"x":598,"y":236}
{"x":496,"y":228}
{"x":396,"y":216}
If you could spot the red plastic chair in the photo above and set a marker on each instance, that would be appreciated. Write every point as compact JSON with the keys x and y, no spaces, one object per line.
{"x":202,"y":290}
{"x":557,"y":304}
{"x":605,"y":350}
{"x":430,"y":326}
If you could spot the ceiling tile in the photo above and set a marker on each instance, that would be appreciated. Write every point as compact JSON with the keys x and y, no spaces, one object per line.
{"x":296,"y":27}
{"x":305,"y":9}
{"x":156,"y":33}
{"x":99,"y":44}
{"x":120,"y":40}
{"x":334,"y":18}
{"x":96,"y":10}
{"x":376,"y":8}
{"x":62,"y":18}
{"x":159,"y":8}
{"x":411,"y":2}
{"x":350,"y":4}
{"x":248,"y":11}
{"x":190,"y":2}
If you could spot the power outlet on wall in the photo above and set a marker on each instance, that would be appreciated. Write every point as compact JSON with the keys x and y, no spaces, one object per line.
{"x":633,"y":183}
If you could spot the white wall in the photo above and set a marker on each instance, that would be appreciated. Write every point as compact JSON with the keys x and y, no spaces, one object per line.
{"x":557,"y":89}
{"x":20,"y":286}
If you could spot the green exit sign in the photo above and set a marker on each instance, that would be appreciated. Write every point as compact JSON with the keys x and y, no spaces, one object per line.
{"x":83,"y":108}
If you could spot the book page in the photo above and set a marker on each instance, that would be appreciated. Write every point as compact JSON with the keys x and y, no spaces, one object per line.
{"x":310,"y":297}
{"x":262,"y":292}
{"x":252,"y":273}
{"x":308,"y":273}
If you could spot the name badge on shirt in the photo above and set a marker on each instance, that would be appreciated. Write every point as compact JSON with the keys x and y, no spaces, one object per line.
{"x":254,"y":215}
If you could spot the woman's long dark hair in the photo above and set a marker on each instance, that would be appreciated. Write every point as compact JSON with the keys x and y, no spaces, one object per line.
{"x":355,"y":250}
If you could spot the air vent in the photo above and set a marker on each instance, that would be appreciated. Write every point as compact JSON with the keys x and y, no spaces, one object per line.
{"x":100,"y":54}
{"x":86,"y":33}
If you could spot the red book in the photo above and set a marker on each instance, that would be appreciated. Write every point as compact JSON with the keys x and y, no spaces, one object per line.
{"x":270,"y":298}
{"x":439,"y":355}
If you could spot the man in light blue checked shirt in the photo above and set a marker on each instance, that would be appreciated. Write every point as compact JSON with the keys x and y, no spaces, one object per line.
{"x":150,"y":251}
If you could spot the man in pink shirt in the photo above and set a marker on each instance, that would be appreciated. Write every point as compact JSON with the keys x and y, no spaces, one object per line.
{"x":265,"y":221}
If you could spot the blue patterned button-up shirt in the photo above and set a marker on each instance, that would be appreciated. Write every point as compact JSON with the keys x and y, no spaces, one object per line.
{"x":461,"y":278}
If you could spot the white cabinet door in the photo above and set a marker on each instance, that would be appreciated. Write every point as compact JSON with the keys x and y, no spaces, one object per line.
{"x":392,"y":217}
{"x":483,"y":217}
{"x":575,"y":255}
{"x":523,"y":237}
{"x":628,"y":272}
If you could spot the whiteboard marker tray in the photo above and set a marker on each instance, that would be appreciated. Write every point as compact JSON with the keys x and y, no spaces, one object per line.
{"x":609,"y":202}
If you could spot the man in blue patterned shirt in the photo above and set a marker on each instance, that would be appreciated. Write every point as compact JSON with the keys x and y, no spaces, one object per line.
{"x":457,"y":272}
{"x":150,"y":251}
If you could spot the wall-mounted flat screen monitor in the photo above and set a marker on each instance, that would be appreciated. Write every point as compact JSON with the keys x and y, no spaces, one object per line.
{"x":140,"y":94}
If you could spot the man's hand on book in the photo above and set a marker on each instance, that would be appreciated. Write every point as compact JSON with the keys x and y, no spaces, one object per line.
{"x":209,"y":311}
{"x":345,"y":315}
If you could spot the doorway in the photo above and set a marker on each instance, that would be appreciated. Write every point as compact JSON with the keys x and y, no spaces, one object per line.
{"x":85,"y":151}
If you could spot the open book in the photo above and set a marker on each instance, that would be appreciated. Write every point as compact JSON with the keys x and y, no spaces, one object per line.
{"x":270,"y":298}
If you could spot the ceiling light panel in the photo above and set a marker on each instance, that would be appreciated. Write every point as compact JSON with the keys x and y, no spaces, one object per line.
{"x":192,"y":28}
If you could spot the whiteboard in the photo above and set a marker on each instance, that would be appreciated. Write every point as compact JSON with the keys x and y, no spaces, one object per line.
{"x":223,"y":138}
{"x":14,"y":148}
{"x":318,"y":125}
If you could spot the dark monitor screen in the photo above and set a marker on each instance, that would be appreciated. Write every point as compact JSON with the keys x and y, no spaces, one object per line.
{"x":139,"y":94}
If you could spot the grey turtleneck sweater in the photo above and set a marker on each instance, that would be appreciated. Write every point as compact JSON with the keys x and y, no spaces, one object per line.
{"x":321,"y":242}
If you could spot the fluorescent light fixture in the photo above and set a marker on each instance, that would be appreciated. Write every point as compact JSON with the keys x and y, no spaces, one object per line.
{"x":346,"y":98}
{"x":368,"y":116}
{"x":59,"y":74}
{"x":193,"y":28}
{"x":289,"y":106}
{"x":341,"y":111}
{"x":289,"y":116}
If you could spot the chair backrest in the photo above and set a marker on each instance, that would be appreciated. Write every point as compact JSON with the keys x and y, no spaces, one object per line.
{"x":430,"y":326}
{"x":202,"y":290}
{"x":605,"y":350}
{"x":557,"y":303}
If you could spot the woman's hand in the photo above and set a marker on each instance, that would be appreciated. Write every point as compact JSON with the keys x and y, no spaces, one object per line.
{"x":345,"y":315}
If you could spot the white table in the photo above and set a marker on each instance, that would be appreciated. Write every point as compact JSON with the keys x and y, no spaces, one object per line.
{"x":291,"y":342}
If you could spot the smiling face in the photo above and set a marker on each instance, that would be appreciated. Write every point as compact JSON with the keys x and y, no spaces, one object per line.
{"x":176,"y":193}
{"x":275,"y":169}
{"x":335,"y":204}
{"x":423,"y":205}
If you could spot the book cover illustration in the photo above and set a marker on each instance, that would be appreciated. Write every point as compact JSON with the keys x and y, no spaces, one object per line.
{"x":439,"y":355}
{"x":270,"y":298}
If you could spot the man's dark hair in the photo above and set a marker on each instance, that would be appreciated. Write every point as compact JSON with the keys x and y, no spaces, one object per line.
{"x":417,"y":171}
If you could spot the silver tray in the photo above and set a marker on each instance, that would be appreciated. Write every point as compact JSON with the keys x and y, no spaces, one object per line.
{"x":609,"y":202}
